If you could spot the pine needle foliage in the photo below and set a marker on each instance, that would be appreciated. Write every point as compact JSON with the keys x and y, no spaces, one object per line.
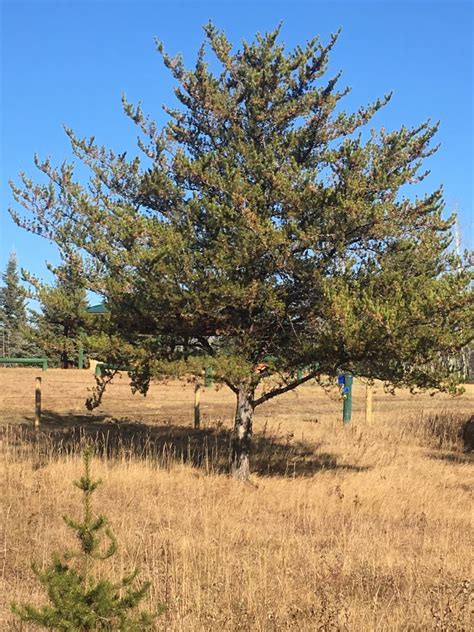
{"x":79,"y":601}
{"x":63,"y":320}
{"x":14,"y":326}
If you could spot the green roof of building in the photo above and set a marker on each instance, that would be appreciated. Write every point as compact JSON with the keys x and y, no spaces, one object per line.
{"x":98,"y":309}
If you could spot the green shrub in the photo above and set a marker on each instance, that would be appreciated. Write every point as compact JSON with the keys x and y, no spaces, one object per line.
{"x":78,"y":601}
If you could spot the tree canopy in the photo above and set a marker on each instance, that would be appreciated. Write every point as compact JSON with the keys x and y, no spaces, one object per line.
{"x":263,"y":229}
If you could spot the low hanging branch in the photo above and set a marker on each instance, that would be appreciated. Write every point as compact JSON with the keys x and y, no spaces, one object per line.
{"x":101,"y":383}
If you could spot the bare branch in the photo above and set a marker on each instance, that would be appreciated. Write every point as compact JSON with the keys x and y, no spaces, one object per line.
{"x":284,"y":389}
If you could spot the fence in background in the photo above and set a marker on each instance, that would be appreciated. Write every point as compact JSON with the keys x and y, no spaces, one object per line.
{"x":61,"y":393}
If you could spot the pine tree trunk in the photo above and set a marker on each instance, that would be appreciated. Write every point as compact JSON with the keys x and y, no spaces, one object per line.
{"x":242,"y":434}
{"x":64,"y":359}
{"x":64,"y":353}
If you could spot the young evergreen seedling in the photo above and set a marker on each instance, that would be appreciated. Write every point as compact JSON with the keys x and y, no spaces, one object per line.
{"x":78,"y":601}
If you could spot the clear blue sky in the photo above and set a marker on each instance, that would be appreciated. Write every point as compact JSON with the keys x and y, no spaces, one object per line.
{"x":68,"y":62}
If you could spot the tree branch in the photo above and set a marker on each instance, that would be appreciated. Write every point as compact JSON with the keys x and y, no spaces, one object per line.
{"x":285,"y":389}
{"x":228,"y":383}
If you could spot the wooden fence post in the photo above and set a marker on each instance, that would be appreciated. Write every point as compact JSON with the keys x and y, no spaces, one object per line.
{"x":197,"y":406}
{"x":368,"y":403}
{"x":37,"y":402}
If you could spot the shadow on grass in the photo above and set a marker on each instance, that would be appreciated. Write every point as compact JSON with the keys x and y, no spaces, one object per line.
{"x":462,"y":458}
{"x":162,"y":445}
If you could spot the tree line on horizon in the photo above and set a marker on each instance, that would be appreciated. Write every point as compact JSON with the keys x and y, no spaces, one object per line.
{"x":54,"y":330}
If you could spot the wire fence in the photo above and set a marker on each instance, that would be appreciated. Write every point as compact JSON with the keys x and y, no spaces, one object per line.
{"x":65,"y":392}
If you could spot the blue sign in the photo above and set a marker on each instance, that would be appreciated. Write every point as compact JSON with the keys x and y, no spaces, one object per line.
{"x":340,"y":380}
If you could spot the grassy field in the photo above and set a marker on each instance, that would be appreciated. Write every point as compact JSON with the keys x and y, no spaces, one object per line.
{"x":365,"y":527}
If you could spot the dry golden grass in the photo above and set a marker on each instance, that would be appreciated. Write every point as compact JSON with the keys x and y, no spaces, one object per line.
{"x":356,"y":528}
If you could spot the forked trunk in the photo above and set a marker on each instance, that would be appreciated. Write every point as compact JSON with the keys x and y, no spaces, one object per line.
{"x":242,"y":435}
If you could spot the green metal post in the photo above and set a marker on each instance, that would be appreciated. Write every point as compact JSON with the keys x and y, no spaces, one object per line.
{"x":347,"y":398}
{"x":80,"y":357}
{"x":208,"y":378}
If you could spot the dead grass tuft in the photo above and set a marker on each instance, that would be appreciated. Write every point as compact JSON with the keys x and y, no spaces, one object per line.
{"x":441,"y":430}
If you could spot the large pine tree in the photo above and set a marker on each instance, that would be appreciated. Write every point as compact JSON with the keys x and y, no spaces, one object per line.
{"x":263,"y":231}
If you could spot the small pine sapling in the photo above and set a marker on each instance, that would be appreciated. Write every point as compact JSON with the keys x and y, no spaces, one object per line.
{"x":78,"y":601}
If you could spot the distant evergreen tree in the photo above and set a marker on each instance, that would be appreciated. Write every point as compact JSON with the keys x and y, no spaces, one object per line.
{"x":13,"y":319}
{"x":78,"y":601}
{"x":57,"y":329}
